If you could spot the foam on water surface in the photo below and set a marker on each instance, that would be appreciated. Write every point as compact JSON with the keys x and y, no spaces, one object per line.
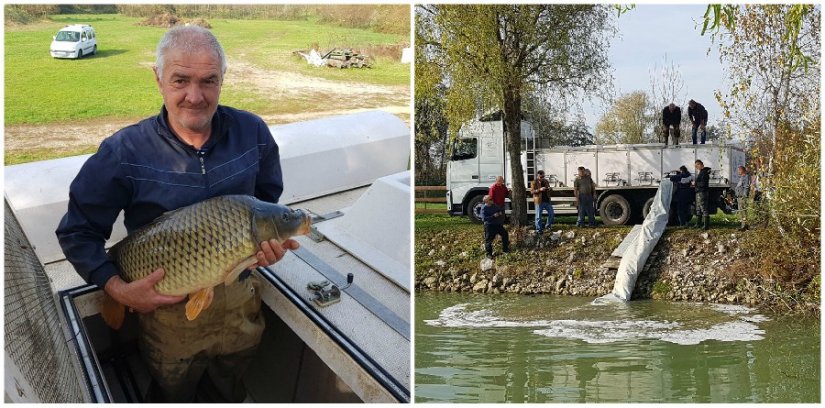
{"x":708,"y":322}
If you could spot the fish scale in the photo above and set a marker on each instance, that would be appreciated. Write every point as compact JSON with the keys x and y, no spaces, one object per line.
{"x":196,"y":245}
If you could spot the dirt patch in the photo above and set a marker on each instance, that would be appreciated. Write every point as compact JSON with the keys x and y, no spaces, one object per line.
{"x":278,"y":84}
{"x":301,"y":97}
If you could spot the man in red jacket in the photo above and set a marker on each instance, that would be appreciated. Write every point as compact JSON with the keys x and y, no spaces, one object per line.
{"x":498,"y":192}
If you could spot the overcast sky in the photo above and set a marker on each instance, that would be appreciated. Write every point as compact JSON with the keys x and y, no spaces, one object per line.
{"x":648,"y":34}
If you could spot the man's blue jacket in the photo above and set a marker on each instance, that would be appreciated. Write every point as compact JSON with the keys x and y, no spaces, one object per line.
{"x":145,"y":170}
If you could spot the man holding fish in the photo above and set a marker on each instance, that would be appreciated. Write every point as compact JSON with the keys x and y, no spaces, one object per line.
{"x":192,"y":151}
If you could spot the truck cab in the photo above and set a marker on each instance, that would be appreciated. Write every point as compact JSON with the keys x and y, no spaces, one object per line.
{"x":477,"y":157}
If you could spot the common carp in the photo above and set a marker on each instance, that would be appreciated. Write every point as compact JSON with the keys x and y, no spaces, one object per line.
{"x":200,"y":246}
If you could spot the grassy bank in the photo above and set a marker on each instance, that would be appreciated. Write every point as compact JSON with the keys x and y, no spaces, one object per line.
{"x":118,"y":82}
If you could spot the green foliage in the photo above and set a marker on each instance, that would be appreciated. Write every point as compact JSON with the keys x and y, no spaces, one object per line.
{"x":661,"y":289}
{"x":431,"y":140}
{"x":631,"y":119}
{"x":772,"y":55}
{"x":718,"y":17}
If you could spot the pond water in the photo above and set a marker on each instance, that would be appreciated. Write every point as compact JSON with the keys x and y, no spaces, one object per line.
{"x":477,"y":348}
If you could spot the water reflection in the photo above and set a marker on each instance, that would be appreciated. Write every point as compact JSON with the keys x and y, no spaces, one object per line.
{"x":514,"y":364}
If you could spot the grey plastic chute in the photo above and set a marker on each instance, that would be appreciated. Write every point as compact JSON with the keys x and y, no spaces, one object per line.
{"x":636,"y":254}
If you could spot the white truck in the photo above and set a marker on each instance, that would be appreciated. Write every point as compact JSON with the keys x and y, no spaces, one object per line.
{"x":627,"y":176}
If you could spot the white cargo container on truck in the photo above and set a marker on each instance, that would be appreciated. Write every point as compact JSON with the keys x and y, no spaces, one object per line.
{"x":627,"y":176}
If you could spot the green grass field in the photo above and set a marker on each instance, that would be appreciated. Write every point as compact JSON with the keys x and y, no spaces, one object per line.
{"x":118,"y":83}
{"x":436,"y":222}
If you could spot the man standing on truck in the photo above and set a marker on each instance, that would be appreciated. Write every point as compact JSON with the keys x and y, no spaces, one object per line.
{"x":702,"y":184}
{"x":498,"y":191}
{"x":493,"y":217}
{"x":743,"y":190}
{"x":684,"y":195}
{"x":699,"y":118}
{"x":540,"y":189}
{"x":585,"y":191}
{"x":194,"y":149}
{"x":671,"y":118}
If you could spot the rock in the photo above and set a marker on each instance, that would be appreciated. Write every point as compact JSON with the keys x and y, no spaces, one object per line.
{"x":504,"y":282}
{"x":443,"y":248}
{"x":570,"y":235}
{"x":720,"y":249}
{"x":583,"y":241}
{"x":440,"y":263}
{"x":430,"y":282}
{"x":684,"y":253}
{"x":486,"y":265}
{"x":463,"y":254}
{"x":560,"y":284}
{"x":555,"y":236}
{"x":596,"y":235}
{"x":474,"y":278}
{"x":431,"y":253}
{"x":496,"y":280}
{"x":572,"y":257}
{"x":480,"y":286}
{"x":706,"y":242}
{"x":705,"y":235}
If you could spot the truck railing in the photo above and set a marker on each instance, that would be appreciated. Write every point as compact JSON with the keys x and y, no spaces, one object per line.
{"x":425,"y":195}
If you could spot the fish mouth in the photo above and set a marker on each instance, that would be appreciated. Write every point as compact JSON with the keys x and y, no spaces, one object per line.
{"x":306,"y":224}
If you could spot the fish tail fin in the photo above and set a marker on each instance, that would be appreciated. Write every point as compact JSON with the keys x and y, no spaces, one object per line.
{"x":198,"y":302}
{"x":113,"y":313}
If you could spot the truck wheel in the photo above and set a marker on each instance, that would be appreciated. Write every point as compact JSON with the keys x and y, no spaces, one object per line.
{"x":79,"y":54}
{"x":94,"y":50}
{"x":474,"y":209}
{"x":646,"y":207}
{"x":615,"y":210}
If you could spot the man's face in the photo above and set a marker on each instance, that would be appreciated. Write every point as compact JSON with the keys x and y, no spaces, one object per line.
{"x":499,"y":180}
{"x":191,"y":87}
{"x":699,"y":167}
{"x":741,"y":171}
{"x":581,"y":173}
{"x":541,"y":176}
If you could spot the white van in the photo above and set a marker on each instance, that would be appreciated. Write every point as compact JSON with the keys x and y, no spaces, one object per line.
{"x":74,"y":41}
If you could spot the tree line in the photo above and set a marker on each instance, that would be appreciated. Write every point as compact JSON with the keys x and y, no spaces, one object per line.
{"x":393,"y":19}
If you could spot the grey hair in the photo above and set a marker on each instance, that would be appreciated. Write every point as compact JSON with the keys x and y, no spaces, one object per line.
{"x":189,"y":39}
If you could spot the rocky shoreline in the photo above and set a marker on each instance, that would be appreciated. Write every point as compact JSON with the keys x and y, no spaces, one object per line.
{"x":686,"y":265}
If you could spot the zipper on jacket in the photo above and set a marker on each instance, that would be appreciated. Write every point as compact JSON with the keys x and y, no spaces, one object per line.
{"x":201,"y":153}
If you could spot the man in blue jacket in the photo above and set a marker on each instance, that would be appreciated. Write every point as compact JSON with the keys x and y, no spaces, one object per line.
{"x":493,"y":217}
{"x":193,"y":150}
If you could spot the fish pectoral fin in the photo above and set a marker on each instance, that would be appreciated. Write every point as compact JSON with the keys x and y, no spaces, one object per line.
{"x":238,"y":269}
{"x":198,"y":302}
{"x":112,"y":312}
